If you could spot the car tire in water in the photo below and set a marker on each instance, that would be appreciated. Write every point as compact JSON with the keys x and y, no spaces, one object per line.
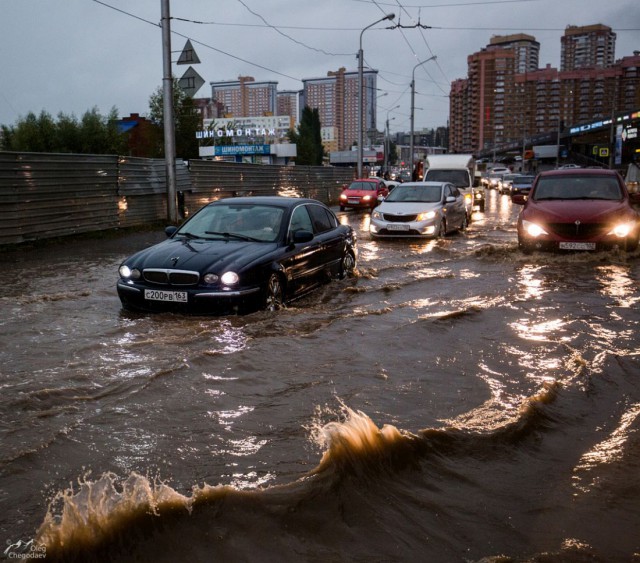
{"x":274,"y":295}
{"x":348,"y":265}
{"x":465,"y":223}
{"x":442,"y":229}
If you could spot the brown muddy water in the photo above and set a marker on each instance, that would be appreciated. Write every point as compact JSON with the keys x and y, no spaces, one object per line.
{"x":456,"y":401}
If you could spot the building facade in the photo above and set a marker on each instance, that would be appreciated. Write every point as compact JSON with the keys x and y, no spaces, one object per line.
{"x":245,"y":97}
{"x":591,"y":46}
{"x":497,"y":104}
{"x":336,"y":99}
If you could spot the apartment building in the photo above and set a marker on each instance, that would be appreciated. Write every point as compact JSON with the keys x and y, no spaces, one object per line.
{"x":497,"y":104}
{"x":245,"y":97}
{"x":336,"y":98}
{"x":586,"y":47}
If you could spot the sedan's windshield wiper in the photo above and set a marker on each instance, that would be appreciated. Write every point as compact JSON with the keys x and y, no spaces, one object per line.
{"x":189,"y":235}
{"x":232,"y":235}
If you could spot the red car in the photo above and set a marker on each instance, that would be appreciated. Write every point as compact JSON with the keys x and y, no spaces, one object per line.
{"x":363,"y":194}
{"x":579,"y":209}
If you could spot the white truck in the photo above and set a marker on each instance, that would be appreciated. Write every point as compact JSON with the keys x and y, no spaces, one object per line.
{"x":460,"y":170}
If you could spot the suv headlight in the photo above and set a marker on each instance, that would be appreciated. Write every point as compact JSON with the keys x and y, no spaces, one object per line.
{"x":622,"y":230}
{"x":533,"y":229}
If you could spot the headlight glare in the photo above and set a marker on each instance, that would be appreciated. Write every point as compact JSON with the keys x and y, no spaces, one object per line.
{"x":426,"y":215}
{"x":229,"y":278}
{"x":622,"y":230}
{"x":533,"y":230}
{"x":129,"y":273}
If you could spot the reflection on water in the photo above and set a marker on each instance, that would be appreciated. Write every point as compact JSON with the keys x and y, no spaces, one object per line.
{"x":607,"y":452}
{"x":616,"y":282}
{"x":543,"y":331}
{"x":529,"y":283}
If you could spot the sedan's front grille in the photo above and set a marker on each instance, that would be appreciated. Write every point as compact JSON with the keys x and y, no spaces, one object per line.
{"x":399,"y":218}
{"x":578,"y":230}
{"x":171,"y":277}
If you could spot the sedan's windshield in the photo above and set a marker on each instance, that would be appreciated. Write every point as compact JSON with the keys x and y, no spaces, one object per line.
{"x":235,"y":221}
{"x":523,"y":179}
{"x":366,"y":186}
{"x":577,"y":187}
{"x":426,"y":194}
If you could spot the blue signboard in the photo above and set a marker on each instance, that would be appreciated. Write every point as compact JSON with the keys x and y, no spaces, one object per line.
{"x":242,"y":150}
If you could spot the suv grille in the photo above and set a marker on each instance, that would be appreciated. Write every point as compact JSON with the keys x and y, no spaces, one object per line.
{"x":579,"y":231}
{"x":171,"y":277}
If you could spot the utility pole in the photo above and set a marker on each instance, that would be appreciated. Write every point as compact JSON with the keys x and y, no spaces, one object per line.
{"x":168,"y":117}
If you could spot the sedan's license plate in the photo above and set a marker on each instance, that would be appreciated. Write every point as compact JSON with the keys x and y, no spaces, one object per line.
{"x":577,"y":245}
{"x":159,"y":295}
{"x":397,"y":227}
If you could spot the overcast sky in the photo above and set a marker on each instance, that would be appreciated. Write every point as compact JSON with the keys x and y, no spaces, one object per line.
{"x":70,"y":56}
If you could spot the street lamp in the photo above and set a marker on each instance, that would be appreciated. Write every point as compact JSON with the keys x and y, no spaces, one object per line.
{"x":413,"y":94}
{"x":360,"y":100}
{"x":386,"y":141}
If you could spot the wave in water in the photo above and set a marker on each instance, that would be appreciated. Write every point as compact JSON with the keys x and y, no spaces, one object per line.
{"x":142,"y":518}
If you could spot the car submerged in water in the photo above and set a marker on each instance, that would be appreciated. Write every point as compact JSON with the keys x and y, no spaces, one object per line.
{"x":240,"y":254}
{"x":578,"y":209}
{"x":420,"y":209}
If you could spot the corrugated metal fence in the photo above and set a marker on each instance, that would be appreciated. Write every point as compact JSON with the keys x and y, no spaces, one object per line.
{"x":46,"y":195}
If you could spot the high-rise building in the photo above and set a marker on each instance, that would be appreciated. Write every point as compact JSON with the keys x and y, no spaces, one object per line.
{"x":497,"y":104}
{"x":525,"y":48}
{"x":245,"y":97}
{"x":336,"y":98}
{"x":288,"y":103}
{"x":587,"y":47}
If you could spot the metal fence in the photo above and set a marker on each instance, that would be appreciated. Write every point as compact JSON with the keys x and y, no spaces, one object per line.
{"x":45,"y":195}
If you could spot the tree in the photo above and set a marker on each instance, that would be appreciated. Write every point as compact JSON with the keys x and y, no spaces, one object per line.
{"x":308,"y":138}
{"x":186,"y":118}
{"x":95,"y":134}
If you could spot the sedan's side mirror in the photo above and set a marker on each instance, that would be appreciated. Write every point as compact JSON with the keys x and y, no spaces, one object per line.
{"x":301,"y":236}
{"x":519,"y":199}
{"x":380,"y":198}
{"x":170,"y":230}
{"x":450,"y":199}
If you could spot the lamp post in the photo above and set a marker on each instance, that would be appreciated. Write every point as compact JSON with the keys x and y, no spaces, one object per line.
{"x":413,"y":94}
{"x":386,"y":140}
{"x":360,"y":94}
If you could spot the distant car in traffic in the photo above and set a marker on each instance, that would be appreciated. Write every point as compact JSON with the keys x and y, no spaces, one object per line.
{"x":504,"y":184}
{"x":569,"y":166}
{"x":522,"y":183}
{"x":578,"y":209}
{"x":493,"y":180}
{"x":420,"y":209}
{"x":362,"y":194}
{"x":239,"y":254}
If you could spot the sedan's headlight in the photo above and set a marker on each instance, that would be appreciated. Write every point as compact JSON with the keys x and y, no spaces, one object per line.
{"x":210,"y":278}
{"x":532,"y":229}
{"x":129,"y":273}
{"x":229,"y":278}
{"x":622,"y":230}
{"x":426,"y":215}
{"x":366,"y":198}
{"x":376,"y":215}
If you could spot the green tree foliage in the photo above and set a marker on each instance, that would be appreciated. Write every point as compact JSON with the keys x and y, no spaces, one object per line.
{"x":308,"y":138}
{"x":93,"y":134}
{"x":186,"y":117}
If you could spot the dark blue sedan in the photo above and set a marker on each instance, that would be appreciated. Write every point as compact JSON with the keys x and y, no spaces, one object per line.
{"x":240,"y":254}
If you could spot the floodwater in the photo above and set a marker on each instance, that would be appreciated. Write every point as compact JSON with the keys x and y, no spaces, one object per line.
{"x":455,"y":401}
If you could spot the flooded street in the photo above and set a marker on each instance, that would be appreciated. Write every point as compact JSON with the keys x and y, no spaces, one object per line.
{"x":456,"y":400}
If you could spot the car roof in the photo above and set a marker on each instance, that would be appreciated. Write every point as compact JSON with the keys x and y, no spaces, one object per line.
{"x":276,"y":200}
{"x":580,"y":172}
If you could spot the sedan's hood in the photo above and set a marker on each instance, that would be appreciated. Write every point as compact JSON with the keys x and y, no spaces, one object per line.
{"x":570,"y":211}
{"x":407,"y":207}
{"x":199,"y":255}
